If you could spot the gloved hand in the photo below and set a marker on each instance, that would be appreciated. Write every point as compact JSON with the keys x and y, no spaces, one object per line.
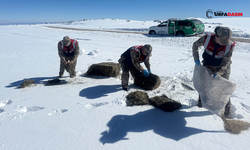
{"x":215,"y":75}
{"x":145,"y":72}
{"x":149,"y":71}
{"x":197,"y":62}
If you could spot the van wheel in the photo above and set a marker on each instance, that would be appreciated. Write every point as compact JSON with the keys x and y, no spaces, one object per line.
{"x":152,"y":32}
{"x":180,"y":33}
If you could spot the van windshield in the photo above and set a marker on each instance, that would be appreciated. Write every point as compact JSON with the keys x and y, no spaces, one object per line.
{"x":163,"y":24}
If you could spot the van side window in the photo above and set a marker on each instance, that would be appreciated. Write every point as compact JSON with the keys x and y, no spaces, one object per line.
{"x":184,"y":23}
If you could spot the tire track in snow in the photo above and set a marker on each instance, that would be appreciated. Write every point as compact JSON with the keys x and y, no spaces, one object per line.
{"x":245,"y":40}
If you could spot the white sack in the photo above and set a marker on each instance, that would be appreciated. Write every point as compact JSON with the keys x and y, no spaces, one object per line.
{"x":214,"y":91}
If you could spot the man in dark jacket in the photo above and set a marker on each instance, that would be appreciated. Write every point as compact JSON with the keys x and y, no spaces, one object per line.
{"x":218,"y":50}
{"x":130,"y":62}
{"x":68,"y":51}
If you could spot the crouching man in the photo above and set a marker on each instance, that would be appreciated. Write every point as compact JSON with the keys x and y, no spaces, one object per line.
{"x":68,"y":51}
{"x":130,"y":62}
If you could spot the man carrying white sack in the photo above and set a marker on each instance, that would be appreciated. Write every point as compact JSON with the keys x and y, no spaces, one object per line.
{"x":217,"y":54}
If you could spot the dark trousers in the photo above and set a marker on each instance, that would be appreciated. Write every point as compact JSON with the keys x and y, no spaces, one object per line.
{"x":70,"y":67}
{"x":125,"y":73}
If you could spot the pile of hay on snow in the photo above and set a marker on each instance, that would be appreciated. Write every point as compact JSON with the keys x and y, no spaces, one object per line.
{"x":138,"y":98}
{"x":26,"y":83}
{"x":148,"y":83}
{"x":54,"y":82}
{"x":162,"y":102}
{"x":110,"y":69}
{"x":235,"y":126}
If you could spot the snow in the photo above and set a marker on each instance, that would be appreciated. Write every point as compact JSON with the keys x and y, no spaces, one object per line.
{"x":91,"y":112}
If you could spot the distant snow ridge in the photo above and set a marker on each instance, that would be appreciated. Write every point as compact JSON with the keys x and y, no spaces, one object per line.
{"x":94,"y":53}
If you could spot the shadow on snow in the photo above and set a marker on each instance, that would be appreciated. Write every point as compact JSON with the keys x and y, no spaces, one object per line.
{"x":99,"y":91}
{"x":38,"y":80}
{"x":168,"y":125}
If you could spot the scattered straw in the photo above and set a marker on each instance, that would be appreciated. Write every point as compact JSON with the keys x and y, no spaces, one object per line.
{"x":27,"y":83}
{"x":235,"y":126}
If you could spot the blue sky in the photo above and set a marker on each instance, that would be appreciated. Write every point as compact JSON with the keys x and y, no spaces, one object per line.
{"x":144,"y":10}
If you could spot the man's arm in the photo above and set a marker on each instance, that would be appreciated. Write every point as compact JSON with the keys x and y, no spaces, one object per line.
{"x":226,"y":61}
{"x":76,"y":52}
{"x":60,"y":52}
{"x":195,"y":47}
{"x":147,"y":64}
{"x":135,"y":60}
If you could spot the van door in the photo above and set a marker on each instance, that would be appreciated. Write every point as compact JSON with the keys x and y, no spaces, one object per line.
{"x":163,"y":28}
{"x":171,"y":28}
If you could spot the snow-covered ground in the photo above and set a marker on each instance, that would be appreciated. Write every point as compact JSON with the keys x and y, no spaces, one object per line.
{"x":90,"y":112}
{"x":239,"y":26}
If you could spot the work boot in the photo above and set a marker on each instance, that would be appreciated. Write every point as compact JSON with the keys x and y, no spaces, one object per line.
{"x":125,"y":89}
{"x":227,"y":112}
{"x":199,"y":102}
{"x":72,"y":76}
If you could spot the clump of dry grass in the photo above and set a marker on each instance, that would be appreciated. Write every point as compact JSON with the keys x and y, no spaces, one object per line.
{"x":148,"y":83}
{"x":27,"y":83}
{"x":162,"y":102}
{"x":138,"y":98}
{"x":235,"y":126}
{"x":110,"y":69}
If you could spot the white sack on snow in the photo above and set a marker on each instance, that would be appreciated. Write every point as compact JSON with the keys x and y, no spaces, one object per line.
{"x":214,"y":91}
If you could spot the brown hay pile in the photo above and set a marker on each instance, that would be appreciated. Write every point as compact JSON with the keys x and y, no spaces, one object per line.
{"x":26,"y":83}
{"x":148,"y":83}
{"x":104,"y":69}
{"x":138,"y":98}
{"x":161,"y":102}
{"x":235,"y":126}
{"x":164,"y":103}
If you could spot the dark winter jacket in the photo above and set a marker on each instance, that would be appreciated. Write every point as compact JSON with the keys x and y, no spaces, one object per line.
{"x":133,"y":57}
{"x":216,"y":57}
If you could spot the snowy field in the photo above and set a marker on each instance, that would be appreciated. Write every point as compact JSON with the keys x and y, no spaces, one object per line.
{"x":239,"y":26}
{"x":90,"y":113}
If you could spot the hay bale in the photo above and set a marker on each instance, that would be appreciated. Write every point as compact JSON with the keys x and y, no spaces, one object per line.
{"x":104,"y":69}
{"x":148,"y":83}
{"x":164,"y":103}
{"x":138,"y":98}
{"x":26,"y":83}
